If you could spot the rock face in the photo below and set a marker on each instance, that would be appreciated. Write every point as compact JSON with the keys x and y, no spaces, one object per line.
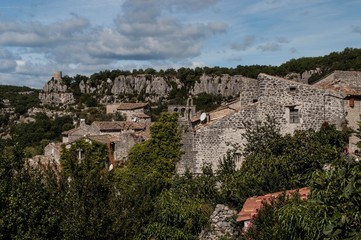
{"x":226,"y":85}
{"x":145,"y":84}
{"x":302,"y":77}
{"x":223,"y":224}
{"x":55,"y":93}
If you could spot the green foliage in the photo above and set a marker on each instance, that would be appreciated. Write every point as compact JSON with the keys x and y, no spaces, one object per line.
{"x":259,"y":135}
{"x":21,"y":98}
{"x":331,"y":212}
{"x":160,"y":153}
{"x":84,"y":159}
{"x":207,"y":102}
{"x":34,"y":133}
{"x":284,"y":162}
{"x":176,"y":217}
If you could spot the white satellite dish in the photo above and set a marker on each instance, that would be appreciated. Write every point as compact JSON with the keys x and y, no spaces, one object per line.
{"x":111,"y":167}
{"x":203,"y":117}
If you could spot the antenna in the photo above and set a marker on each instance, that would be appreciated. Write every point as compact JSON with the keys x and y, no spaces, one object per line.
{"x":203,"y":117}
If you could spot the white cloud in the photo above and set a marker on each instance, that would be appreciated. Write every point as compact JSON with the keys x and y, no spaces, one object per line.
{"x":270,"y":47}
{"x":36,"y":34}
{"x":247,"y":42}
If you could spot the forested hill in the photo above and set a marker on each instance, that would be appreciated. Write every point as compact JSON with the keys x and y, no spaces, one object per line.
{"x":348,"y":59}
{"x":18,"y":98}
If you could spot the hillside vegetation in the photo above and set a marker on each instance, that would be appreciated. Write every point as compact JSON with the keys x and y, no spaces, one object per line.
{"x":145,"y":200}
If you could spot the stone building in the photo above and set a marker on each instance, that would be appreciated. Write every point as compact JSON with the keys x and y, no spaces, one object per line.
{"x":119,"y":136}
{"x":186,"y":112}
{"x":296,"y":106}
{"x":136,"y":112}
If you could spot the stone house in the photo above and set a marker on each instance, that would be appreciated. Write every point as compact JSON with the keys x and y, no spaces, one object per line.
{"x":136,"y":112}
{"x":296,"y":106}
{"x":118,"y":146}
{"x":119,"y":136}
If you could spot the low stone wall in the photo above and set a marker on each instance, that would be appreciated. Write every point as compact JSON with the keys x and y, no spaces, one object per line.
{"x":223,"y":224}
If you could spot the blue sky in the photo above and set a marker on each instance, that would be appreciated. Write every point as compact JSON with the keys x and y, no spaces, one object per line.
{"x":38,"y":37}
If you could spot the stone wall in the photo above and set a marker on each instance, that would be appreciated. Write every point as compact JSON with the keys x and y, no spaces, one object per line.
{"x":294,"y":105}
{"x":121,"y":148}
{"x":223,"y":224}
{"x":208,"y":144}
{"x":353,"y":110}
{"x":315,"y":106}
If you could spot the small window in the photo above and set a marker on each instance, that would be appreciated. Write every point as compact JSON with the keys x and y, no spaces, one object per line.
{"x":293,"y":89}
{"x":351,"y":102}
{"x":255,"y":100}
{"x":294,"y":115}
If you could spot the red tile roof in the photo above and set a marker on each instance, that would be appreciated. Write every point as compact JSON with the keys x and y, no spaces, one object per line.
{"x":131,"y":106}
{"x":254,"y":204}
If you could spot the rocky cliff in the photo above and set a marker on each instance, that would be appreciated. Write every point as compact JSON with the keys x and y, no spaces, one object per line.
{"x":226,"y":85}
{"x":55,"y":92}
{"x":148,"y":87}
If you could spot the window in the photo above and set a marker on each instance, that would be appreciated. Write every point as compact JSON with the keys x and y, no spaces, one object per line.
{"x":292,"y":89}
{"x":294,"y":115}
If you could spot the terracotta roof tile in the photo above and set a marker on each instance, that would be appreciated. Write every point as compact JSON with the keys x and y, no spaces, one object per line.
{"x":254,"y":204}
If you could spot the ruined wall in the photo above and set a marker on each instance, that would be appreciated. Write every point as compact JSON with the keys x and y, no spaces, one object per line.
{"x":223,"y":224}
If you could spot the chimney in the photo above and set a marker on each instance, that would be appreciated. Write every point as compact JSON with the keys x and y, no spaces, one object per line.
{"x":82,"y":122}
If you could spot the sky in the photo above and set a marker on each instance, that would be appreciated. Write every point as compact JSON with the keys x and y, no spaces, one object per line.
{"x":38,"y":37}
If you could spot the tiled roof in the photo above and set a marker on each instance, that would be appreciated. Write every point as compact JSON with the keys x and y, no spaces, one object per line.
{"x":141,"y":115}
{"x":254,"y":204}
{"x":346,"y":82}
{"x":75,"y":131}
{"x":118,"y":125}
{"x":131,"y":106}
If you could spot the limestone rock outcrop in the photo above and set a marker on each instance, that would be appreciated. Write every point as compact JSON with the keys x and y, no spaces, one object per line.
{"x":226,"y":85}
{"x":55,"y":92}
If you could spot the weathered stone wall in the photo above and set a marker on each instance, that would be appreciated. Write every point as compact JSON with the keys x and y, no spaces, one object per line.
{"x":315,"y":106}
{"x":276,"y":97}
{"x":223,"y":224}
{"x":122,"y":147}
{"x":210,"y":143}
{"x":353,"y":110}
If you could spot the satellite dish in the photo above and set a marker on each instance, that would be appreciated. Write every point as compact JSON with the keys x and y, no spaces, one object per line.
{"x":135,"y":119}
{"x":203,"y":117}
{"x":111,"y":167}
